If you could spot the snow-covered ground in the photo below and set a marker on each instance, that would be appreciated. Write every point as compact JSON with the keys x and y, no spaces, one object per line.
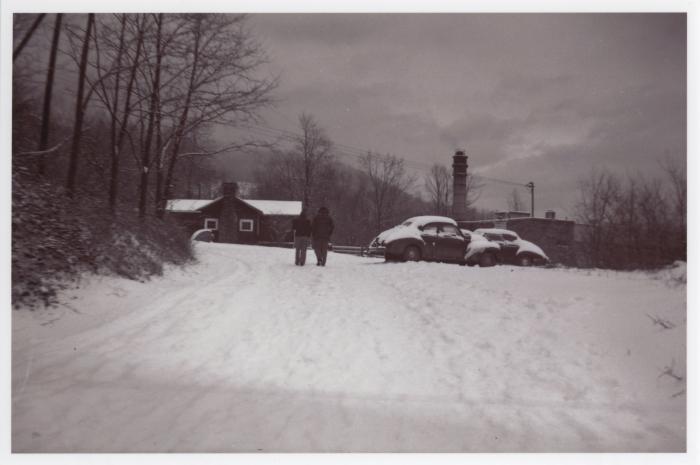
{"x":246,"y":352}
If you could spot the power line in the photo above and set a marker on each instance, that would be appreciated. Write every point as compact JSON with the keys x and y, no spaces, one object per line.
{"x":502,"y":181}
{"x":356,"y":152}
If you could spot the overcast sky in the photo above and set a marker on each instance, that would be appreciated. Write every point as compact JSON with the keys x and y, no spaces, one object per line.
{"x":531,"y":97}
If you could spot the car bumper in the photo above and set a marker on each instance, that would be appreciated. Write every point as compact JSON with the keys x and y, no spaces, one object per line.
{"x":376,"y":251}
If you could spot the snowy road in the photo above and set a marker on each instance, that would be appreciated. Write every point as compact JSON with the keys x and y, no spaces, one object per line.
{"x":246,"y":352}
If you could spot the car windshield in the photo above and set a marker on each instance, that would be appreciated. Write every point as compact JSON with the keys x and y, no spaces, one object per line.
{"x":493,"y":237}
{"x":406,"y":223}
{"x":510,"y":237}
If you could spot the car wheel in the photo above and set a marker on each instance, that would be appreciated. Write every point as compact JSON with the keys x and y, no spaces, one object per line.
{"x":525,"y":260}
{"x":411,"y":254}
{"x":487,"y":259}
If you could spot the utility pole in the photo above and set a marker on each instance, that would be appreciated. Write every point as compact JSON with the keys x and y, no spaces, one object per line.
{"x":531,"y":186}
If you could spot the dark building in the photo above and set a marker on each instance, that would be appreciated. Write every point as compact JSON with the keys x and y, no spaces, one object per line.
{"x":236,"y":220}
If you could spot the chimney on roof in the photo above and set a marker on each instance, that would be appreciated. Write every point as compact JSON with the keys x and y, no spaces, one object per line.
{"x":550,"y":214}
{"x":229,"y":189}
{"x":459,"y":186}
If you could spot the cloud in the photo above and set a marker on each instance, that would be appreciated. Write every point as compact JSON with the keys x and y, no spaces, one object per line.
{"x":540,"y":97}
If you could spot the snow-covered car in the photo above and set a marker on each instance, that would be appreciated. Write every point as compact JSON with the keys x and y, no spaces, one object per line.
{"x":514,"y":250}
{"x":481,"y":251}
{"x":433,"y":238}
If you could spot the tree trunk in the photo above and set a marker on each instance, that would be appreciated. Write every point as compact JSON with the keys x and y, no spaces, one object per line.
{"x":79,"y":111}
{"x":46,"y":113}
{"x":159,"y":207}
{"x":116,"y":151}
{"x":27,"y":36}
{"x":146,"y":149}
{"x":115,"y":117}
{"x":179,"y":132}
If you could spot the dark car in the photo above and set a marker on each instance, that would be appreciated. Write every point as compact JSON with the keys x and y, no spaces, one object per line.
{"x":434,"y":238}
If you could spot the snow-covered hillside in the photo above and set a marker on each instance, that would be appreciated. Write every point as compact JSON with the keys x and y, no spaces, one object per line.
{"x":246,"y":352}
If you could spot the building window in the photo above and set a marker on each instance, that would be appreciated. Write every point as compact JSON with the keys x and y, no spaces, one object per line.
{"x":211,"y":223}
{"x":245,"y":225}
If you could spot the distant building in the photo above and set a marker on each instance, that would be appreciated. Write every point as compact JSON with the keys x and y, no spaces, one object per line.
{"x":236,"y":220}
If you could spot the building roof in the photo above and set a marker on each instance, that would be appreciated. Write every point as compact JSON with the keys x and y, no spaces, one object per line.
{"x":266,"y":207}
{"x":276,"y":207}
{"x":188,"y":205}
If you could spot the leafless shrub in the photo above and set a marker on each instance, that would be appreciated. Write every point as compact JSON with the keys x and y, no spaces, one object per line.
{"x":632,"y":223}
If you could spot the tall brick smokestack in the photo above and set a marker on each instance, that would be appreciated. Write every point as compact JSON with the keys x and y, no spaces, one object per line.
{"x":459,"y":186}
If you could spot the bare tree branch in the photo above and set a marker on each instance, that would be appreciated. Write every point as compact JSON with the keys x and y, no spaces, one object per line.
{"x":43,"y":152}
{"x":27,"y":36}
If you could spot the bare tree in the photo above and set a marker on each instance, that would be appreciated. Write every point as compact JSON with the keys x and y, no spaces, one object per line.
{"x":79,"y":110}
{"x":626,"y":218}
{"x":28,"y":35}
{"x":314,"y":149}
{"x":388,"y":183}
{"x":676,"y":174}
{"x":303,"y":171}
{"x":515,"y":203}
{"x":599,"y":193}
{"x":474,"y":187}
{"x":118,"y":58}
{"x":220,"y":62}
{"x":438,"y":183}
{"x":48,"y":89}
{"x":145,"y":158}
{"x":629,"y":225}
{"x":654,"y":221}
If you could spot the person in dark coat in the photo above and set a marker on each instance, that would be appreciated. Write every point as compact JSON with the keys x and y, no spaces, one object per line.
{"x":301,"y":226}
{"x":321,"y":230}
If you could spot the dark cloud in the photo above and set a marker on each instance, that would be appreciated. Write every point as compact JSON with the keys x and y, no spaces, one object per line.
{"x":539,"y":97}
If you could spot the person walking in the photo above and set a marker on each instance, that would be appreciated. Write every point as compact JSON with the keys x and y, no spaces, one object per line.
{"x":321,"y":230}
{"x":301,"y":226}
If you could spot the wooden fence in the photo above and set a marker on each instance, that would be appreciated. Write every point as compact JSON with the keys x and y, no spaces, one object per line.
{"x":345,"y":249}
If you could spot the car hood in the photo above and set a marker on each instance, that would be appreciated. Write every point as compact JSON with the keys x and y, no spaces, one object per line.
{"x":478,"y":244}
{"x":527,"y":246}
